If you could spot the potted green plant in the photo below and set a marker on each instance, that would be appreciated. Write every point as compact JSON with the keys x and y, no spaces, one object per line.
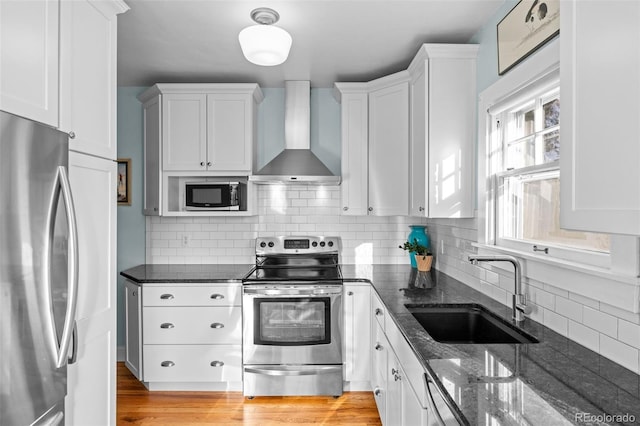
{"x":422,"y":253}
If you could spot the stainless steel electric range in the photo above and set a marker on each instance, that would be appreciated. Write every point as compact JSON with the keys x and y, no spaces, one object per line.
{"x":292,"y":318}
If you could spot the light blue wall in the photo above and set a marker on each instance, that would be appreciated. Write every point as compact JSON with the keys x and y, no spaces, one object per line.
{"x":131,"y":222}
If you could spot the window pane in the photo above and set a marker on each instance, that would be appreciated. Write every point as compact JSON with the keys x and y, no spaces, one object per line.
{"x":521,"y":154}
{"x":551,"y":146}
{"x":531,"y":212}
{"x":551,"y":113}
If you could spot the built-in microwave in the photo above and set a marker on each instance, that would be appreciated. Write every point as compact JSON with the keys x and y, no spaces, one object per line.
{"x":213,"y":195}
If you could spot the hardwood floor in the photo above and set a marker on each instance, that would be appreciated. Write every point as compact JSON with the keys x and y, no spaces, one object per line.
{"x":137,"y":406}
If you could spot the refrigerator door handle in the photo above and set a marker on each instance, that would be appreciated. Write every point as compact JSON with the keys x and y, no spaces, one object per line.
{"x":72,"y":284}
{"x":74,"y":347}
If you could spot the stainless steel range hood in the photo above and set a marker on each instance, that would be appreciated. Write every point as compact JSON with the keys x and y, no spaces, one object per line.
{"x":296,"y":163}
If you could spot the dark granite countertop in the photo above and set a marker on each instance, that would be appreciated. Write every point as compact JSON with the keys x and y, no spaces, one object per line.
{"x":201,"y":273}
{"x":553,"y":382}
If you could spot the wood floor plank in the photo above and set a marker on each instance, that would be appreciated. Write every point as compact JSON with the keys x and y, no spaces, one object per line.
{"x":136,"y":406}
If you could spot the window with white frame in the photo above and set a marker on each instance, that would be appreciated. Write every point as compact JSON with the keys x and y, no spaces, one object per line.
{"x":524,"y":155}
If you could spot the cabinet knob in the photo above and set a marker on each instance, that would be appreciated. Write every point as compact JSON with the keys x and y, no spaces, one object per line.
{"x":167,"y":363}
{"x":217,"y":296}
{"x":420,"y":209}
{"x":345,"y":208}
{"x":396,"y":378}
{"x":208,"y":163}
{"x":378,"y":347}
{"x":202,"y":163}
{"x":378,"y":312}
{"x":216,"y":363}
{"x":167,"y":325}
{"x":349,"y":293}
{"x":134,"y":293}
{"x":155,"y":209}
{"x":377,"y":392}
{"x":394,"y":371}
{"x":370,"y":209}
{"x":166,"y":297}
{"x":217,"y":325}
{"x":72,"y":135}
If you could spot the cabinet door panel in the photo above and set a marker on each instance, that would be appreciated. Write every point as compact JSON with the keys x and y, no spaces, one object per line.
{"x":196,"y":325}
{"x":355,"y":132}
{"x":229,"y":132}
{"x":29,"y":59}
{"x":88,"y":78}
{"x":193,"y":363}
{"x":389,"y":151}
{"x":600,"y":185}
{"x":357,"y":347}
{"x":91,"y":389}
{"x":133,"y":324}
{"x":184,"y":132}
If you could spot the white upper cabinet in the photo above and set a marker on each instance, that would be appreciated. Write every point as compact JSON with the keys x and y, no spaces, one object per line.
{"x":29,"y":59}
{"x":375,"y":146}
{"x":442,"y":155}
{"x":88,"y":31}
{"x":205,"y":127}
{"x":389,"y":150}
{"x":600,"y":89}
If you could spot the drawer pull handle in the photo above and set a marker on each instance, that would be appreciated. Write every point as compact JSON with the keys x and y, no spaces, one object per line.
{"x":167,"y":363}
{"x":217,"y":363}
{"x":166,"y":297}
{"x":166,"y":325}
{"x":378,"y":347}
{"x":349,"y":293}
{"x":217,"y":296}
{"x":217,"y":325}
{"x":378,"y":312}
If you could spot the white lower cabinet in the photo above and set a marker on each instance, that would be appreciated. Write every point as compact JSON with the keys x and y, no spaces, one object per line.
{"x":398,"y":400}
{"x":357,"y":339}
{"x":191,"y":336}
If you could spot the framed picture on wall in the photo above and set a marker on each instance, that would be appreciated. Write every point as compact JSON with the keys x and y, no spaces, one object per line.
{"x":124,"y":182}
{"x":526,"y":28}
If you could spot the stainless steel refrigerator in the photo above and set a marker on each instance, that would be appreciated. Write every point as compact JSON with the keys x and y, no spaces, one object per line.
{"x":38,"y":272}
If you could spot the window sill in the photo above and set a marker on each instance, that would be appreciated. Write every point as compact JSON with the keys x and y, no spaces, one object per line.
{"x":599,"y":284}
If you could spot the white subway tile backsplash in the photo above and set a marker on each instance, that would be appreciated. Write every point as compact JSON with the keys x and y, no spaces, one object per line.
{"x":586,"y":336}
{"x":569,"y":309}
{"x":556,"y":322}
{"x":600,"y":321}
{"x":621,"y":353}
{"x":629,"y":333}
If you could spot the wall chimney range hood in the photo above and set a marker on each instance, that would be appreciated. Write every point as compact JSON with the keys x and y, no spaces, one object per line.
{"x":296,"y":163}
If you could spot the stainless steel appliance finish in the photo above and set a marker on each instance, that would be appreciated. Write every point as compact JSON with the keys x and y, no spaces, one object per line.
{"x":38,"y":272}
{"x":292,"y":318}
{"x":213,"y":195}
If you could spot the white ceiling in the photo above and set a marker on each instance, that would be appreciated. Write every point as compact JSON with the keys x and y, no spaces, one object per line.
{"x":349,"y":40}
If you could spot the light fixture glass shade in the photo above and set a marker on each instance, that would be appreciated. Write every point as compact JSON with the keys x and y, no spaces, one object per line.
{"x":265,"y":45}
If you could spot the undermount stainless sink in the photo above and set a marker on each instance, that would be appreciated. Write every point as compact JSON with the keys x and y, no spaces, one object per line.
{"x":469,"y":323}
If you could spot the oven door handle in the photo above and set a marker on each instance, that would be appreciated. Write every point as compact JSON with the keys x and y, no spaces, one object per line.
{"x":293,"y":371}
{"x":284,"y":292}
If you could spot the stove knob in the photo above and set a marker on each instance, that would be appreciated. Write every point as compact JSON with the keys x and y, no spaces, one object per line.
{"x":321,"y":243}
{"x":314,"y":244}
{"x":263,"y":244}
{"x":270,"y":243}
{"x":330,"y":243}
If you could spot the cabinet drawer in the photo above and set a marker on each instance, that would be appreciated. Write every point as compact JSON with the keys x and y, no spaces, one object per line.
{"x":378,"y":310}
{"x":192,"y":325}
{"x":408,"y":360}
{"x":192,"y":363}
{"x":210,"y":295}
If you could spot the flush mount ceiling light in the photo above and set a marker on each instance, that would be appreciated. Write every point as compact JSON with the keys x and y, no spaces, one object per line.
{"x":265,"y":44}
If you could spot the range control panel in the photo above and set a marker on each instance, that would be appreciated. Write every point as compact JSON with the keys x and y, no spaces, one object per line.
{"x":296,"y":244}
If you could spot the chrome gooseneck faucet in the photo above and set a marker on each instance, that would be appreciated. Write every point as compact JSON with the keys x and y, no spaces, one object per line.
{"x":520,"y":307}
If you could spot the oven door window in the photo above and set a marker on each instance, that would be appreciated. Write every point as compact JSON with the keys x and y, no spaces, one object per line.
{"x":292,"y":321}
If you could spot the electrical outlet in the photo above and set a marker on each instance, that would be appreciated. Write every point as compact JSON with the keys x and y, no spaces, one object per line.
{"x":185,"y":240}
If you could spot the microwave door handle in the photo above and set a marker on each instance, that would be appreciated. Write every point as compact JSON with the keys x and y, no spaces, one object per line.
{"x":72,"y":283}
